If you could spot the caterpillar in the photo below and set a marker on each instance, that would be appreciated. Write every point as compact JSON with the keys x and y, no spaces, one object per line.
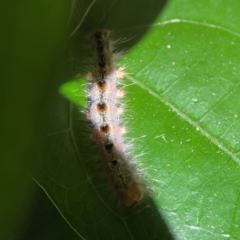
{"x":103,"y":112}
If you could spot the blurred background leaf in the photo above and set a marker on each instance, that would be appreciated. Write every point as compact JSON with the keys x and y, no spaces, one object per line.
{"x":33,"y":36}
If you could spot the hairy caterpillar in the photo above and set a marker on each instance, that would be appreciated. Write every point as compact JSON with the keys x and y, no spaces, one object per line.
{"x":103,"y":112}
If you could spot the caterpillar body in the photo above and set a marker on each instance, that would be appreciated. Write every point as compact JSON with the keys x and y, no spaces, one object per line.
{"x":103,"y":112}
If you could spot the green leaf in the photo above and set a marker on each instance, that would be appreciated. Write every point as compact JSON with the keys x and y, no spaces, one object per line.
{"x":32,"y":35}
{"x":183,"y":114}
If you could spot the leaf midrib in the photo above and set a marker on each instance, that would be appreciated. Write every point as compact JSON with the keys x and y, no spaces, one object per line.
{"x":184,"y":116}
